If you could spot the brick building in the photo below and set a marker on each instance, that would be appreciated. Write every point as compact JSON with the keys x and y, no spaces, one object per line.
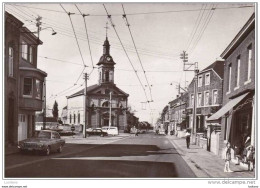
{"x":209,"y":94}
{"x":178,"y":113}
{"x":24,"y":83}
{"x":237,"y":114}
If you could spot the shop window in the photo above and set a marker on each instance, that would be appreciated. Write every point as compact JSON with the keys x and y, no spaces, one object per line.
{"x":38,"y":85}
{"x":11,"y":61}
{"x":28,"y":87}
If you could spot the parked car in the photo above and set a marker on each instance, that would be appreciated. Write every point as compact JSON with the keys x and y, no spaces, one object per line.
{"x":96,"y":131}
{"x":110,"y":130}
{"x":46,"y":142}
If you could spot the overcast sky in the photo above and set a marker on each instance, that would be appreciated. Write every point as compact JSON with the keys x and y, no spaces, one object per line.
{"x":161,"y":32}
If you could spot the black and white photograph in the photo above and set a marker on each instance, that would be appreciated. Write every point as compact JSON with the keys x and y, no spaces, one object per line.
{"x":130,"y":92}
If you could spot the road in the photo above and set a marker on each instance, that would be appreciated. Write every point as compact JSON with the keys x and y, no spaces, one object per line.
{"x":145,"y":156}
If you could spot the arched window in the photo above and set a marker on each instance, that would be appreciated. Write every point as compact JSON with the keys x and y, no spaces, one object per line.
{"x":78,"y":118}
{"x":74,"y":117}
{"x":105,"y":104}
{"x":70,"y":118}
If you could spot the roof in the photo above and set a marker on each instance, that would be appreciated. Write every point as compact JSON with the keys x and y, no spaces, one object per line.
{"x":217,"y":66}
{"x":81,"y":92}
{"x":91,"y":88}
{"x":246,"y":29}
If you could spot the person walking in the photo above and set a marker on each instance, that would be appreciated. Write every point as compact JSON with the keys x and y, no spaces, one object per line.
{"x":227,"y":157}
{"x":187,"y":135}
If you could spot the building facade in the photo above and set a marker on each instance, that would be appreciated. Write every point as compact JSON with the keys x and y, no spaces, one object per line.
{"x":237,"y":114}
{"x":209,"y":95}
{"x":178,"y":113}
{"x":98,"y":98}
{"x":24,"y":82}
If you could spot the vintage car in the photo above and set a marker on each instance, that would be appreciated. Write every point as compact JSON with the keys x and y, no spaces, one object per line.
{"x":46,"y":141}
{"x":96,"y":131}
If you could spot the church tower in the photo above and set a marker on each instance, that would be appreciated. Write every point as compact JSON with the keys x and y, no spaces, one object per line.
{"x":106,"y":66}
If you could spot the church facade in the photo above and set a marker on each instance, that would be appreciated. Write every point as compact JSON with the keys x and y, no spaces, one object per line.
{"x":98,"y":99}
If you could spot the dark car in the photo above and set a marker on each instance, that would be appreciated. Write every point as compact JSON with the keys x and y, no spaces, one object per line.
{"x":96,"y":131}
{"x":46,"y":141}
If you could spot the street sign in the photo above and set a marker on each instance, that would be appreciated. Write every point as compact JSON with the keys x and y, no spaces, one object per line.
{"x":72,"y":128}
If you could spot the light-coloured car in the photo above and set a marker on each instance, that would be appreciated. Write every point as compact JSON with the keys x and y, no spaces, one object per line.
{"x":110,"y":130}
{"x":46,"y":141}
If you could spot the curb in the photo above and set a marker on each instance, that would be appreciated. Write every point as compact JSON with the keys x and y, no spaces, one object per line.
{"x":197,"y":170}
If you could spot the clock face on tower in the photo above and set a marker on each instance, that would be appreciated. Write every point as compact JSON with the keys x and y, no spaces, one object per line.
{"x":108,"y":58}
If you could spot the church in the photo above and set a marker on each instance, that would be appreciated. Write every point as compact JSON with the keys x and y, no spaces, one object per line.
{"x":98,"y":98}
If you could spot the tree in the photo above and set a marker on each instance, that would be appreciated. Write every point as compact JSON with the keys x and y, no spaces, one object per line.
{"x":55,"y":111}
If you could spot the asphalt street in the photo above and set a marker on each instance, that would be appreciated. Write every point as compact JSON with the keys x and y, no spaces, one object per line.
{"x":144,"y":156}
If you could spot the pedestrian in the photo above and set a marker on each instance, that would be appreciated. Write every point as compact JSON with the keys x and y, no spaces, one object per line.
{"x":187,"y":135}
{"x":136,"y":132}
{"x":250,"y":158}
{"x":227,"y":157}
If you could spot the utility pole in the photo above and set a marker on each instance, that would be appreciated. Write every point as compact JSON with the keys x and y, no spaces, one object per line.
{"x":110,"y":104}
{"x":85,"y":105}
{"x":38,"y":25}
{"x":187,"y":67}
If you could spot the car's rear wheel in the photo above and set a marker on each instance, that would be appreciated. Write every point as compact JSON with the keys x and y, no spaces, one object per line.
{"x":48,"y":150}
{"x":60,"y":148}
{"x":102,"y":135}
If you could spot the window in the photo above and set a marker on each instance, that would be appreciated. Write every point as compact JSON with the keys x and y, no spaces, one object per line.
{"x":78,"y":118}
{"x":249,"y":64}
{"x":70,"y":118}
{"x":199,"y":81}
{"x":11,"y":61}
{"x":207,"y":79}
{"x":199,"y":99}
{"x":74,"y":118}
{"x":38,"y":86}
{"x":229,"y":77}
{"x":24,"y":50}
{"x":206,"y":101}
{"x":191,"y":99}
{"x":215,"y":97}
{"x":110,"y":76}
{"x":31,"y":54}
{"x":238,"y":72}
{"x":28,"y":86}
{"x":107,"y":76}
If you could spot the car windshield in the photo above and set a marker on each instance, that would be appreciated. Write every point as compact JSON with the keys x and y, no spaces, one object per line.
{"x":43,"y":134}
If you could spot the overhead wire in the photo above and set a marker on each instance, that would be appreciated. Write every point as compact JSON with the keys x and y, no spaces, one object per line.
{"x":140,"y":13}
{"x":83,"y":16}
{"x":128,"y":25}
{"x":112,"y":24}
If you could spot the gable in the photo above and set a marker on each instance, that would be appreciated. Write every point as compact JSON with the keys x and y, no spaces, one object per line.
{"x":106,"y":89}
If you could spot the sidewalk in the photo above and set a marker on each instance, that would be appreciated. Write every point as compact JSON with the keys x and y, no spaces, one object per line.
{"x":206,"y":164}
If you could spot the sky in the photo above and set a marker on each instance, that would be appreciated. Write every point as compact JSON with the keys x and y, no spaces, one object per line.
{"x":160,"y":31}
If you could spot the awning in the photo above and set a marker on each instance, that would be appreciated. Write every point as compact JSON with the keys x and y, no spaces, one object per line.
{"x":227,"y":107}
